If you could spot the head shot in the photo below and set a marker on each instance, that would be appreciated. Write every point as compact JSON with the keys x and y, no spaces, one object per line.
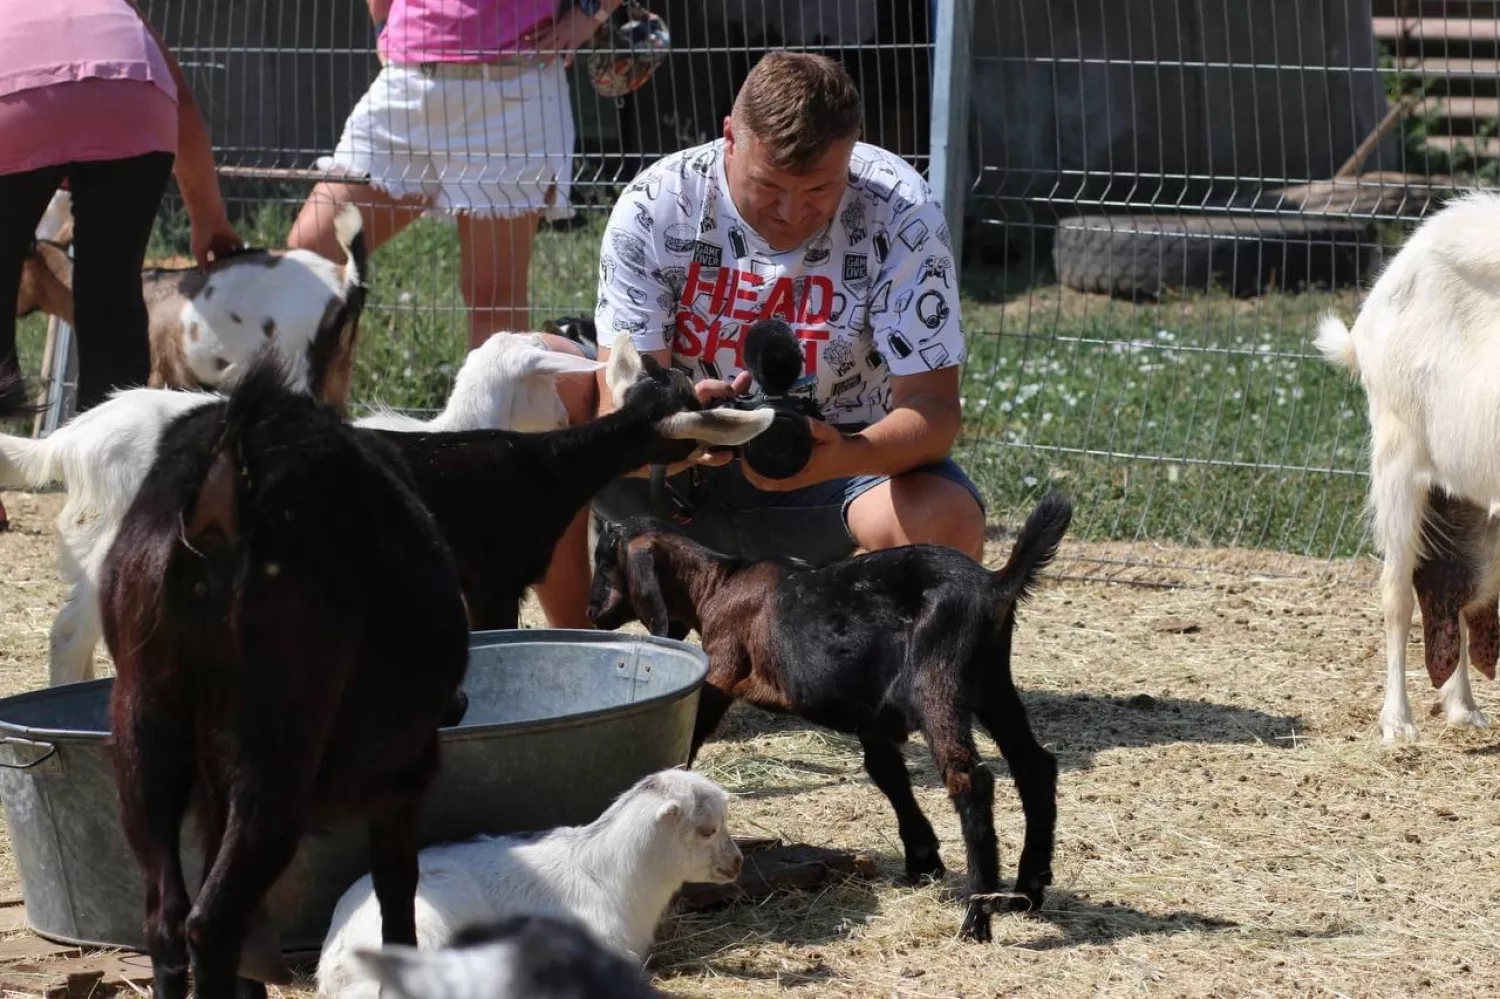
{"x":788,"y":142}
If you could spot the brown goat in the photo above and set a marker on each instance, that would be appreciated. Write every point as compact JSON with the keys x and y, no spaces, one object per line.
{"x":288,"y":635}
{"x":878,"y":646}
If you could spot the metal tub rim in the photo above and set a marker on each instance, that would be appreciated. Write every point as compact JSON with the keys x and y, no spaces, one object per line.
{"x":477,"y":640}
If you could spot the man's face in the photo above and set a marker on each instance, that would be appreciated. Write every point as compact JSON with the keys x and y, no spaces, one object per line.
{"x":785,"y":208}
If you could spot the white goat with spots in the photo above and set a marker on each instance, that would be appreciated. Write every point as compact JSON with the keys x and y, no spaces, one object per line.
{"x":205,"y":327}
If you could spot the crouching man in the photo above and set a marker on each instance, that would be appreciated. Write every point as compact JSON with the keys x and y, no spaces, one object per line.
{"x":789,"y":216}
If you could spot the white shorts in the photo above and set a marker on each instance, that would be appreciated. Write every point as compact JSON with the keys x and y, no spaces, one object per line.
{"x":488,"y":146}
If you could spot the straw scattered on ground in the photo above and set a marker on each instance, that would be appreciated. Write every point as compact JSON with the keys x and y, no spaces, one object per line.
{"x":1229,"y":824}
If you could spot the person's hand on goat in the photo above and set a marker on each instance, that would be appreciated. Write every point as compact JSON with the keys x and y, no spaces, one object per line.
{"x":562,"y":35}
{"x":214,"y":239}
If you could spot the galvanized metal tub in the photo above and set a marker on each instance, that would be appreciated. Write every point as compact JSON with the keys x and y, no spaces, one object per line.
{"x":559,"y":723}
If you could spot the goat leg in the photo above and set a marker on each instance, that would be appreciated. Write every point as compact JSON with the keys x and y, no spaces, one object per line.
{"x":260,"y":955}
{"x":1034,"y":771}
{"x":971,"y":788}
{"x":153,"y":800}
{"x":887,"y":769}
{"x":260,"y":839}
{"x":712,"y":704}
{"x":393,"y":867}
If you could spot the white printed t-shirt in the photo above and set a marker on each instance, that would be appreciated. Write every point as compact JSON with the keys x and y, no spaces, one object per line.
{"x":872,"y":294}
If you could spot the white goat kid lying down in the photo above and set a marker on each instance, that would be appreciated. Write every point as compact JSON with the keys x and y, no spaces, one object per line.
{"x":1426,"y":348}
{"x":101,"y":456}
{"x":616,"y":876}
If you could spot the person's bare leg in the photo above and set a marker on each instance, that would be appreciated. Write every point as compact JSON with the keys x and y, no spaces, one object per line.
{"x":918,"y":508}
{"x":564,"y":592}
{"x":495,"y":257}
{"x":384,"y":217}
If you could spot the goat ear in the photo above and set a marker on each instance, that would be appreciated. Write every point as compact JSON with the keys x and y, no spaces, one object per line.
{"x":668,"y":811}
{"x":645,"y":592}
{"x":624,"y":366}
{"x":717,"y":426}
{"x":555,"y":362}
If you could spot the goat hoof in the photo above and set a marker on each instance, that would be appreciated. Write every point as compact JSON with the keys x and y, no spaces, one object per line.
{"x":1031,"y":890}
{"x":976,"y":925}
{"x":1463,"y":715}
{"x":1397,"y":731}
{"x":924,"y":866}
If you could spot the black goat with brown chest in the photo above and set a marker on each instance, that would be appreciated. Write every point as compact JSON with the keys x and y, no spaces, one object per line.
{"x":907,"y":639}
{"x":288,"y":634}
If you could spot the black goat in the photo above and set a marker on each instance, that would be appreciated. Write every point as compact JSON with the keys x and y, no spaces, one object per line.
{"x":504,"y":499}
{"x":288,"y":633}
{"x":879,"y":646}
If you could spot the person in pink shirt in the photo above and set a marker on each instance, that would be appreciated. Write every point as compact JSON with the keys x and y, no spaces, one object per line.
{"x":469,"y":116}
{"x":90,"y":96}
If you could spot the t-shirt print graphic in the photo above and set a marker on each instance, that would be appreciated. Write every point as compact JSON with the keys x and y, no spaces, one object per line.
{"x":870,"y":296}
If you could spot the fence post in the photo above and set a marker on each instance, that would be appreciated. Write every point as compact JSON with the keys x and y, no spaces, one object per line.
{"x":948,"y":167}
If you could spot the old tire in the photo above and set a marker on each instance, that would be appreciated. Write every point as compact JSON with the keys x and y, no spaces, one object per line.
{"x":1134,"y":256}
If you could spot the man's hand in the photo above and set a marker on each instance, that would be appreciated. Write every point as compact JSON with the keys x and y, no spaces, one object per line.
{"x":831,"y":456}
{"x":711,"y":390}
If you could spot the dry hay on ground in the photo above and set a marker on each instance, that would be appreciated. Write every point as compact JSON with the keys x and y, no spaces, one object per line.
{"x":1229,"y":824}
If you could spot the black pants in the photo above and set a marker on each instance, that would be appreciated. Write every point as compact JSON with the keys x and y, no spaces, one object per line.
{"x":114,"y":207}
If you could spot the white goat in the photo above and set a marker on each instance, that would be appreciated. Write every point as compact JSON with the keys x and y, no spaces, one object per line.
{"x":509,"y":382}
{"x":1426,"y":348}
{"x":101,"y":456}
{"x":616,"y":876}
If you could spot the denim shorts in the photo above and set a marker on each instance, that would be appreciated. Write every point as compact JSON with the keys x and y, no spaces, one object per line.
{"x":734,"y":518}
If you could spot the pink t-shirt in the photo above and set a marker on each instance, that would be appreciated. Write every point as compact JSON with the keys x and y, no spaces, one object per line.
{"x":457,"y":30}
{"x":80,"y":80}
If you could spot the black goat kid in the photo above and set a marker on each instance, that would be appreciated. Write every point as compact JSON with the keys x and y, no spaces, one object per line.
{"x":288,"y":632}
{"x":878,"y":646}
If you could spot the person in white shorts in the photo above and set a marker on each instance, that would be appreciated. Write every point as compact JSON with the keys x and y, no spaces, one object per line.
{"x":470,"y":117}
{"x":790,"y":217}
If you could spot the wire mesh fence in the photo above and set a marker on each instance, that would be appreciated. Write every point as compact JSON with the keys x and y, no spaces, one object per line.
{"x":296,"y":94}
{"x":1163,"y":196}
{"x":1166,"y":195}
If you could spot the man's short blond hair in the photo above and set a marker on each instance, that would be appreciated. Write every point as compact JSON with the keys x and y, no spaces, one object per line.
{"x":797,"y":105}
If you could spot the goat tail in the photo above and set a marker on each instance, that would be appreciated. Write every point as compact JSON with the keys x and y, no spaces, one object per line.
{"x":1035,"y":548}
{"x":1336,"y":343}
{"x":25,"y":463}
{"x":349,"y":230}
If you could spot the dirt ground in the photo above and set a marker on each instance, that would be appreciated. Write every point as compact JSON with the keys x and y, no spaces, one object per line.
{"x":1229,"y":824}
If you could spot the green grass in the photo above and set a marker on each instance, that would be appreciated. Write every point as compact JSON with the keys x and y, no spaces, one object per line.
{"x":1206,"y":421}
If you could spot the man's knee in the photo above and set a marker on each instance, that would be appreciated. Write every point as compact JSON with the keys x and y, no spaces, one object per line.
{"x":918,"y":508}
